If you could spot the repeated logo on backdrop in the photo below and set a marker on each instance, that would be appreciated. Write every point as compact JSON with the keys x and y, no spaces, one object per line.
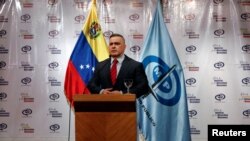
{"x":26,"y":49}
{"x":54,"y":97}
{"x":53,"y":66}
{"x":191,"y":49}
{"x":26,"y":66}
{"x":54,"y":128}
{"x":190,"y":82}
{"x":53,"y":49}
{"x":79,"y":19}
{"x":27,"y":113}
{"x":54,"y":113}
{"x":194,"y":130}
{"x":3,"y":96}
{"x":246,"y":48}
{"x":3,"y":82}
{"x":220,"y":97}
{"x":134,"y":17}
{"x":219,"y":33}
{"x":192,"y":114}
{"x":192,"y":34}
{"x":3,"y":50}
{"x":219,"y":18}
{"x":25,"y":18}
{"x":218,"y":49}
{"x":192,"y":98}
{"x":28,"y":4}
{"x":3,"y":19}
{"x":54,"y":82}
{"x":26,"y":98}
{"x":26,"y":81}
{"x":3,"y":33}
{"x":2,"y":65}
{"x":54,"y":19}
{"x":26,"y":128}
{"x":246,"y":113}
{"x":53,"y":34}
{"x":4,"y":113}
{"x":220,"y":114}
{"x":190,"y":66}
{"x":3,"y":127}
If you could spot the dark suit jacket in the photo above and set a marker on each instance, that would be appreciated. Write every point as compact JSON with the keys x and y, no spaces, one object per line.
{"x":130,"y":69}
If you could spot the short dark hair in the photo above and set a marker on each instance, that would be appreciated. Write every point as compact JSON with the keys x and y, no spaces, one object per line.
{"x":116,"y":35}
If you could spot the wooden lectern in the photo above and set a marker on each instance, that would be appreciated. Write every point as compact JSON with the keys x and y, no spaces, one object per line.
{"x":105,"y":117}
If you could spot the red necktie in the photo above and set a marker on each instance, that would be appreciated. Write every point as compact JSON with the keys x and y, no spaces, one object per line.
{"x":113,"y":71}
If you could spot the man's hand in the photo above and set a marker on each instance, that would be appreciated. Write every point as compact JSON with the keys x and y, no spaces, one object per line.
{"x":115,"y":92}
{"x":109,"y":91}
{"x":106,"y":91}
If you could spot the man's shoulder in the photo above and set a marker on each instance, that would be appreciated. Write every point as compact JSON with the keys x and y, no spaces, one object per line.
{"x":104,"y":61}
{"x":131,"y":60}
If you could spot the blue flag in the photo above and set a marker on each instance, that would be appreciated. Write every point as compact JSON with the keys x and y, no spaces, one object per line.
{"x":163,"y":114}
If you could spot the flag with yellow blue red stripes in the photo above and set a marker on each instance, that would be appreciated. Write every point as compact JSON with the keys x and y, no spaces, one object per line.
{"x":89,"y":49}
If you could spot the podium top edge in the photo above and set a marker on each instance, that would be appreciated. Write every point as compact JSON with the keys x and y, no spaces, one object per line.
{"x":104,"y":98}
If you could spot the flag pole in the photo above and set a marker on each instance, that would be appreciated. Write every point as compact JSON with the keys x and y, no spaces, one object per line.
{"x":69,"y":122}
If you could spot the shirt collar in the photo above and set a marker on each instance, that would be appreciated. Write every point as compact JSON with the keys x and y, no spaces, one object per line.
{"x":120,"y":59}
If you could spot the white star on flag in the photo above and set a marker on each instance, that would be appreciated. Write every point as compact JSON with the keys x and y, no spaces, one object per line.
{"x":87,"y":66}
{"x":81,"y":66}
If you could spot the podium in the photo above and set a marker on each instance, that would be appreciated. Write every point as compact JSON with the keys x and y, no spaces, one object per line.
{"x":105,"y":117}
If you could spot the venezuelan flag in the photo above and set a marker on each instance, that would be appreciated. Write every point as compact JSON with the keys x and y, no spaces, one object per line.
{"x":90,"y":49}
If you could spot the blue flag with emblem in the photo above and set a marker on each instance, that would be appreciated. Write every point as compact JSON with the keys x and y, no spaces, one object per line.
{"x":163,"y":114}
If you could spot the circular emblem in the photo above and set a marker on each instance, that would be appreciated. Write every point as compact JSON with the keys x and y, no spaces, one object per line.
{"x":53,"y":33}
{"x":26,"y":80}
{"x":246,"y":113}
{"x":219,"y":32}
{"x":168,"y":92}
{"x":27,"y":112}
{"x":3,"y":96}
{"x":246,"y":80}
{"x":2,"y":64}
{"x":246,"y":48}
{"x":135,"y":48}
{"x":79,"y":18}
{"x":25,"y":17}
{"x":191,"y":48}
{"x":53,"y":65}
{"x":108,"y":33}
{"x":220,"y":96}
{"x":134,"y":17}
{"x":54,"y":127}
{"x":192,"y":113}
{"x":54,"y":96}
{"x":95,"y":30}
{"x":219,"y":65}
{"x":3,"y":126}
{"x":52,"y":2}
{"x":26,"y":48}
{"x":218,"y":1}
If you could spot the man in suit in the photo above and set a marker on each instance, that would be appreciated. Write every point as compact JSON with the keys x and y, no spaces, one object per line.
{"x":126,"y":68}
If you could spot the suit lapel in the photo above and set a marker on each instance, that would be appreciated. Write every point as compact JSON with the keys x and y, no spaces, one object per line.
{"x":107,"y":75}
{"x":123,"y":68}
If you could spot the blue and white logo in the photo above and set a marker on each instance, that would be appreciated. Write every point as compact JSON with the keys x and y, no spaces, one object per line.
{"x":164,"y":80}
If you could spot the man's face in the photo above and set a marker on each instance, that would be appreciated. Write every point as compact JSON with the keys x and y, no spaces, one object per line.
{"x":116,"y":46}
